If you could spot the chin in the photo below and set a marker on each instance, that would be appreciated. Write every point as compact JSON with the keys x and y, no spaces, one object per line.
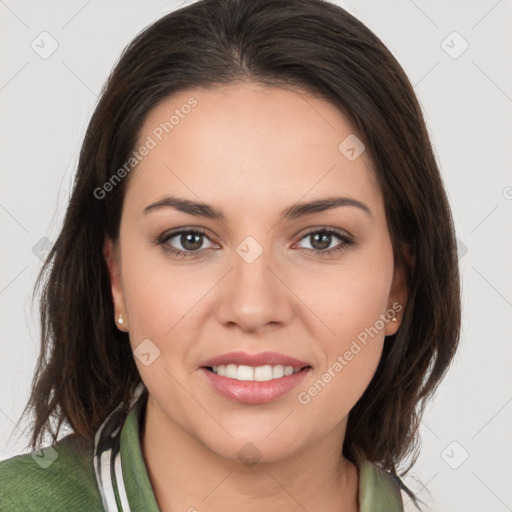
{"x":259,"y":447}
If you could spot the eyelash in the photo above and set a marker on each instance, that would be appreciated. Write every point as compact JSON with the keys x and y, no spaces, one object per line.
{"x":165,"y":237}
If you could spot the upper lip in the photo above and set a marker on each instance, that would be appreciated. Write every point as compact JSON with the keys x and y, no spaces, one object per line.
{"x":260,"y":359}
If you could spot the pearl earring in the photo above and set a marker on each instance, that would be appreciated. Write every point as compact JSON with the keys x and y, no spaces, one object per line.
{"x":120,"y":319}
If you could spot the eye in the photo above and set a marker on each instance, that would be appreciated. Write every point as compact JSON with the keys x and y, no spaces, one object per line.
{"x":190,"y":240}
{"x":321,"y":241}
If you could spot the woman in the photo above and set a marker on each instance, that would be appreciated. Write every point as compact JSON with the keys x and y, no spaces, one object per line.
{"x":255,"y":288}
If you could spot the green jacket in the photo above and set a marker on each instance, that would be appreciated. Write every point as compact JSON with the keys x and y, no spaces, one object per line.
{"x":63,"y":477}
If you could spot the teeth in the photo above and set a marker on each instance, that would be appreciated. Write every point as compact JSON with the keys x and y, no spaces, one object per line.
{"x":259,"y":373}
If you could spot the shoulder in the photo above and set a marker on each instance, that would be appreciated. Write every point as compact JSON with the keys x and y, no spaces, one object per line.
{"x":383,"y":486}
{"x":57,"y":477}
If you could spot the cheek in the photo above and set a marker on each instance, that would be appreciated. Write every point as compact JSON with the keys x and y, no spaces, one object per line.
{"x":348,"y":298}
{"x":157,"y":292}
{"x":360,"y":306}
{"x":337,"y":388}
{"x":152,"y":293}
{"x":352,"y":304}
{"x":352,"y":353}
{"x":164,"y":302}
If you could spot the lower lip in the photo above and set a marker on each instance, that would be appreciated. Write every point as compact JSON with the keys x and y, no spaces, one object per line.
{"x":255,"y":392}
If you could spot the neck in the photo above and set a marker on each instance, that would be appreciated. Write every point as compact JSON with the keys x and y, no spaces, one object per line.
{"x":188,"y":476}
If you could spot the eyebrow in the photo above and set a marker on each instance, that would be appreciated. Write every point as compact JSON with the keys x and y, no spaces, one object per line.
{"x":200,"y":209}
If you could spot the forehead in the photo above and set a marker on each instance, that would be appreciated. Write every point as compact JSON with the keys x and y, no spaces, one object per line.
{"x":250,"y":143}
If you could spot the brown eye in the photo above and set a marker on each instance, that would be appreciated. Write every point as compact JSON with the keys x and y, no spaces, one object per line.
{"x":321,"y":241}
{"x":183,"y":243}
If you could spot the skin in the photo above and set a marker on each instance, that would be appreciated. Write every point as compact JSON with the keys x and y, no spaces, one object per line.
{"x":252,"y":151}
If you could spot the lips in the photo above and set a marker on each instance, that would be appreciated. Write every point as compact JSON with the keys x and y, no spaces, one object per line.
{"x":255,"y":391}
{"x":255,"y":360}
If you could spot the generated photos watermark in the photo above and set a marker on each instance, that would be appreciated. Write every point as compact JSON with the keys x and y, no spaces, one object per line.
{"x":304,"y":397}
{"x":150,"y":143}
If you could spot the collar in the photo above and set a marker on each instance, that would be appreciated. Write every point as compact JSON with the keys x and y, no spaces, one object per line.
{"x":125,"y":486}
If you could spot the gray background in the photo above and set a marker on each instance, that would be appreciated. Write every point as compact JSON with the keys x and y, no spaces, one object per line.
{"x":466,"y":460}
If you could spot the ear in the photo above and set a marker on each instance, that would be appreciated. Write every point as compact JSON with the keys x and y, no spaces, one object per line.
{"x":111,"y":255}
{"x":398,"y":293}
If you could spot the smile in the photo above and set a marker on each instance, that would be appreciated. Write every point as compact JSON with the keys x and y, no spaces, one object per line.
{"x":258,"y":373}
{"x":254,"y":385}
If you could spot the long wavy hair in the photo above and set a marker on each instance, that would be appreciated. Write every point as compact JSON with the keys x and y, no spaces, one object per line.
{"x":86,"y":366}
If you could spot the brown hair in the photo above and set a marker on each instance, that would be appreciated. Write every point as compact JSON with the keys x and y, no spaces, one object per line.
{"x":86,"y":366}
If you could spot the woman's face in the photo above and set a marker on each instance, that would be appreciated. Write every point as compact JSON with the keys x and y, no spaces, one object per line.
{"x":251,"y":280}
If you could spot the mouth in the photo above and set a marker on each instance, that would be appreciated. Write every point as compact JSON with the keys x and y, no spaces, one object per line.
{"x":255,"y":373}
{"x":254,"y":385}
{"x":254,"y":378}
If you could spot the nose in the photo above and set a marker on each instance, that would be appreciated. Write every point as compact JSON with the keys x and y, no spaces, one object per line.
{"x":254,"y":294}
